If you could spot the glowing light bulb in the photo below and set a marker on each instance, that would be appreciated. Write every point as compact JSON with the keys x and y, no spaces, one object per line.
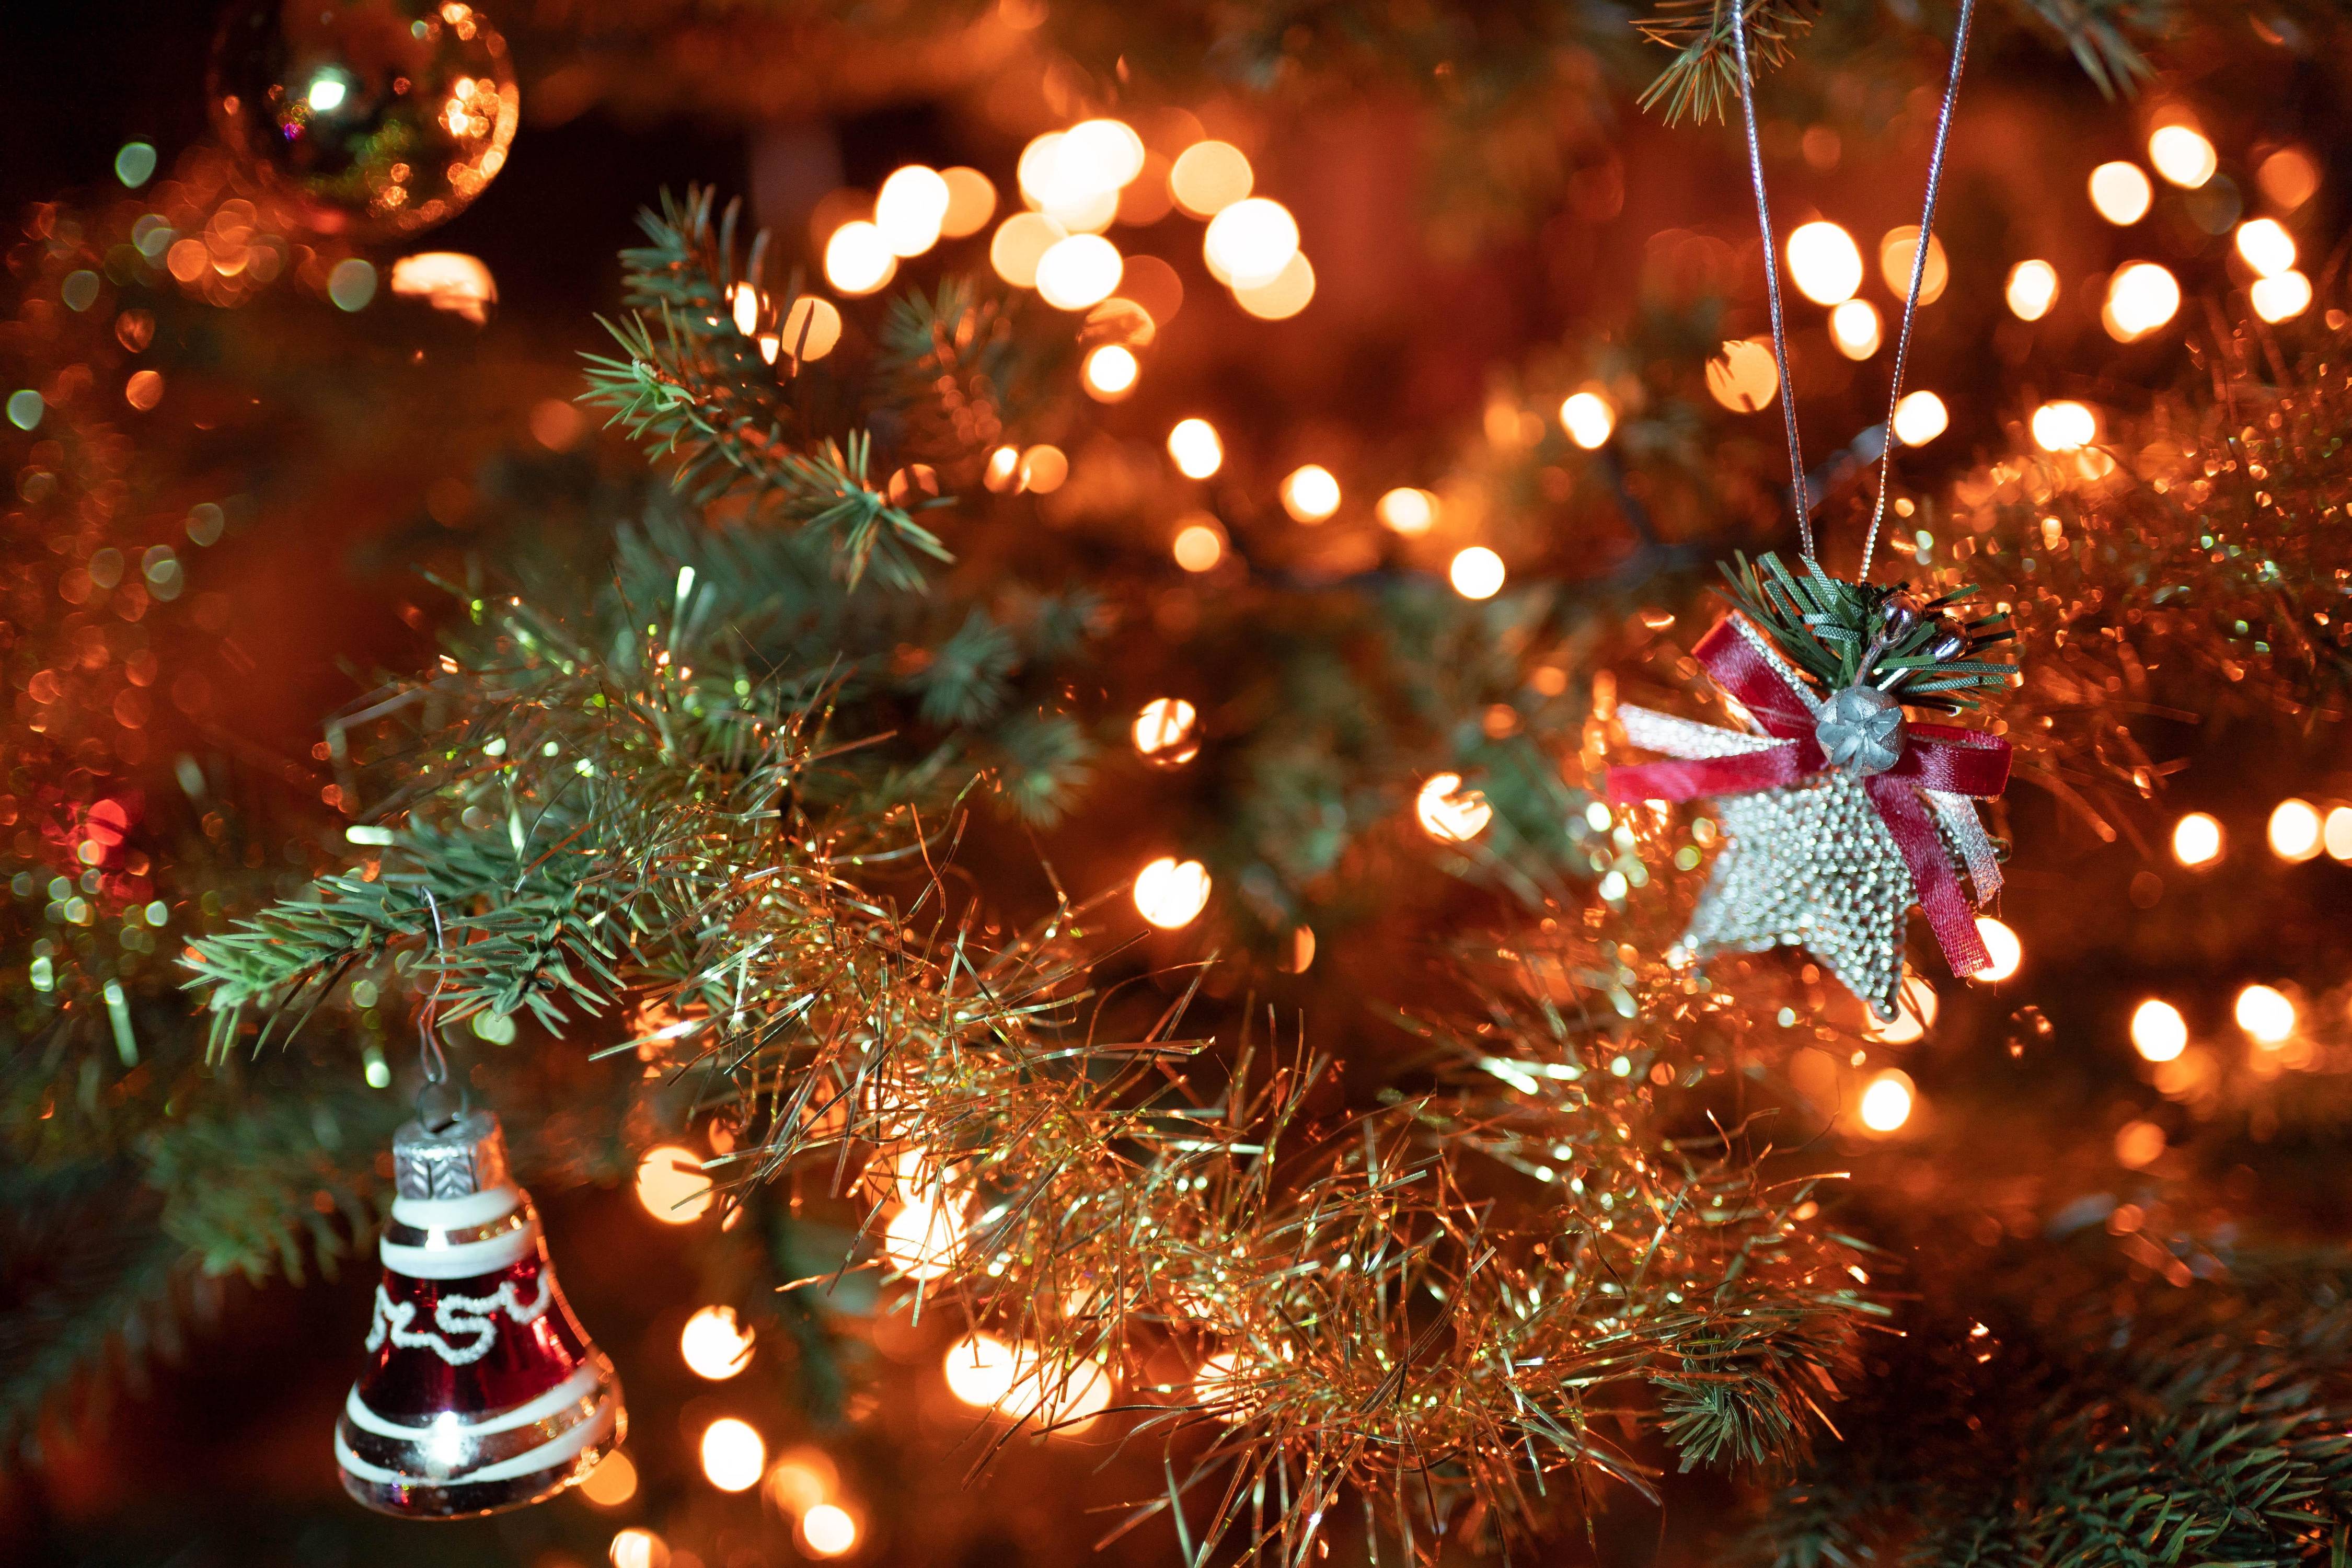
{"x":746,"y":302}
{"x":1915,"y":1013}
{"x":1111,"y":372}
{"x":2336,"y":833}
{"x":2197,"y":839}
{"x":1587,"y":419}
{"x":1098,"y":155}
{"x":2033,"y":289}
{"x":981,"y":1370}
{"x":828,"y":1530}
{"x":2267,"y":246}
{"x":2158,"y":1032}
{"x":1407,"y":510}
{"x":2266,"y":1014}
{"x":671,"y":1186}
{"x":714,"y":1345}
{"x":2182,"y":155}
{"x":1743,"y":378}
{"x":2295,"y":829}
{"x":1078,"y":272}
{"x":1824,"y":262}
{"x":2141,"y":297}
{"x":638,"y":1548}
{"x":2282,"y":297}
{"x":1288,"y":293}
{"x":924,"y":1236}
{"x":1171,"y":893}
{"x":460,"y":284}
{"x":1208,"y":177}
{"x":1199,"y":545}
{"x":1450,"y":814}
{"x":1167,"y":732}
{"x":1887,"y":1102}
{"x":911,"y":208}
{"x":2064,"y":425}
{"x":1021,"y":243}
{"x":1919,"y":418}
{"x":1249,"y":243}
{"x":2121,"y":193}
{"x":1854,"y":327}
{"x":1477,"y":573}
{"x":1310,"y":493}
{"x":327,"y":94}
{"x":1002,"y":471}
{"x":734,"y":1455}
{"x":1196,"y":447}
{"x":971,"y":202}
{"x":613,"y":1482}
{"x":858,"y":259}
{"x":2002,"y":946}
{"x":1897,"y":249}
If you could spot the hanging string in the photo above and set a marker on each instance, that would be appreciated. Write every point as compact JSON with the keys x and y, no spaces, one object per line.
{"x":431,"y":1106}
{"x":1910,"y":300}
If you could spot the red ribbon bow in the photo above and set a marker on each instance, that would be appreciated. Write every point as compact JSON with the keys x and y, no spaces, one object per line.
{"x":1935,"y":756}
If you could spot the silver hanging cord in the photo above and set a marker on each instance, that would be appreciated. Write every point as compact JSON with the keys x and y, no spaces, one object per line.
{"x":433,"y":1094}
{"x":1919,"y":271}
{"x":1772,"y":283}
{"x":1772,"y":279}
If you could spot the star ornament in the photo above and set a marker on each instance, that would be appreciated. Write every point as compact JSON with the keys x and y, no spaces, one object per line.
{"x":1837,"y":814}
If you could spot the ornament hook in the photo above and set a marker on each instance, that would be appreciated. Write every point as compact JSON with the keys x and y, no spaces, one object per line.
{"x":433,"y":1109}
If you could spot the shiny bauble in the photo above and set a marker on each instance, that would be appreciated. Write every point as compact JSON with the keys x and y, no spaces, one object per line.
{"x":1897,"y":614}
{"x":370,"y":118}
{"x":481,"y":1389}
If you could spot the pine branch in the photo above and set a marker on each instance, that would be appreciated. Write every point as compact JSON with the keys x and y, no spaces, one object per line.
{"x":1702,"y":82}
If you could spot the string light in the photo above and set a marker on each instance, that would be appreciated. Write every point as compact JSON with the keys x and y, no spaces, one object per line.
{"x":1302,"y":950}
{"x":1743,"y":378}
{"x":1919,"y":418}
{"x":1111,"y":372}
{"x":924,"y":1236}
{"x":1078,"y":272}
{"x":1915,"y":1004}
{"x":2121,"y":193}
{"x":1887,"y":1102}
{"x":1407,"y":510}
{"x":2197,"y":839}
{"x":1287,"y":294}
{"x":2281,"y":298}
{"x":2158,"y":1032}
{"x":811,"y":329}
{"x":1825,"y":262}
{"x":1171,"y":894}
{"x":2266,"y":1014}
{"x":858,"y":259}
{"x":2336,"y":833}
{"x":2141,"y":297}
{"x":1477,"y":573}
{"x":1167,"y":732}
{"x":2139,"y":1145}
{"x":1002,"y":471}
{"x":971,"y":202}
{"x":1587,"y":419}
{"x":2182,"y":155}
{"x":911,"y":208}
{"x":1310,"y":493}
{"x":1199,"y":544}
{"x":2064,"y":425}
{"x":1015,"y":1381}
{"x":1450,"y":814}
{"x":613,"y":1482}
{"x":2289,"y":177}
{"x":1043,"y":469}
{"x":2004,"y":950}
{"x":827,"y":1531}
{"x":2266,"y":244}
{"x":460,"y":284}
{"x":1896,"y":248}
{"x":2032,"y":289}
{"x":2295,"y":829}
{"x":802,"y":1479}
{"x":1854,"y":329}
{"x":714,"y":1345}
{"x":1249,"y":243}
{"x":1208,"y":177}
{"x":1194,"y":447}
{"x":671,"y":1186}
{"x":981,"y":1369}
{"x":638,"y":1548}
{"x":1020,"y":243}
{"x":734,"y":1455}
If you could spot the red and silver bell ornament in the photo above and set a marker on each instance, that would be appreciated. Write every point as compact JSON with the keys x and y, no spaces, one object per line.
{"x":482,"y":1392}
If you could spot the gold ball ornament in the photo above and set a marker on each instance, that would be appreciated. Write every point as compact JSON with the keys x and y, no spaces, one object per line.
{"x":374,"y":118}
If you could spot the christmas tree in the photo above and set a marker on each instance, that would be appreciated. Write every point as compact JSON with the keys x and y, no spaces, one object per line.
{"x":1363,"y":783}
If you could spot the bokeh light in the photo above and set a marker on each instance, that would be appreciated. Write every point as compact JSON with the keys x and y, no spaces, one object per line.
{"x":1919,"y":418}
{"x":858,"y":259}
{"x":1111,"y":372}
{"x":2064,"y":425}
{"x":2289,"y":177}
{"x":638,"y":1548}
{"x":971,"y":202}
{"x":1288,"y":293}
{"x":2139,"y":1144}
{"x":2121,"y":193}
{"x":2141,"y":297}
{"x":827,"y":1531}
{"x":1825,"y":262}
{"x":671,"y":1184}
{"x":1208,"y":177}
{"x":2281,"y":298}
{"x":2295,"y":829}
{"x":2336,"y":833}
{"x":802,"y":1479}
{"x":1587,"y":419}
{"x":1249,"y":243}
{"x":1020,"y":243}
{"x":1743,"y":378}
{"x":1043,"y":469}
{"x":1078,"y":272}
{"x":2182,"y":155}
{"x":2006,"y":952}
{"x":1477,"y":573}
{"x":2197,"y":839}
{"x":1407,"y":510}
{"x":1449,"y":812}
{"x":1199,"y":545}
{"x":1167,"y":731}
{"x":811,"y":329}
{"x":2266,"y":244}
{"x":1854,"y":328}
{"x":1171,"y":893}
{"x":2158,"y":1032}
{"x":714,"y":1345}
{"x":912,"y":209}
{"x":2266,"y":1014}
{"x":613,"y":1482}
{"x":981,"y":1369}
{"x":1915,"y":1004}
{"x":924,"y":1236}
{"x":1886,"y":1101}
{"x":734,"y":1455}
{"x":1310,"y":493}
{"x":1194,"y":447}
{"x":2032,"y":289}
{"x":1896,"y":250}
{"x":460,"y":284}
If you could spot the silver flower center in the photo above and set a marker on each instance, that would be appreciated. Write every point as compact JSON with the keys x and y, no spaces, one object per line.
{"x":1860,"y":730}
